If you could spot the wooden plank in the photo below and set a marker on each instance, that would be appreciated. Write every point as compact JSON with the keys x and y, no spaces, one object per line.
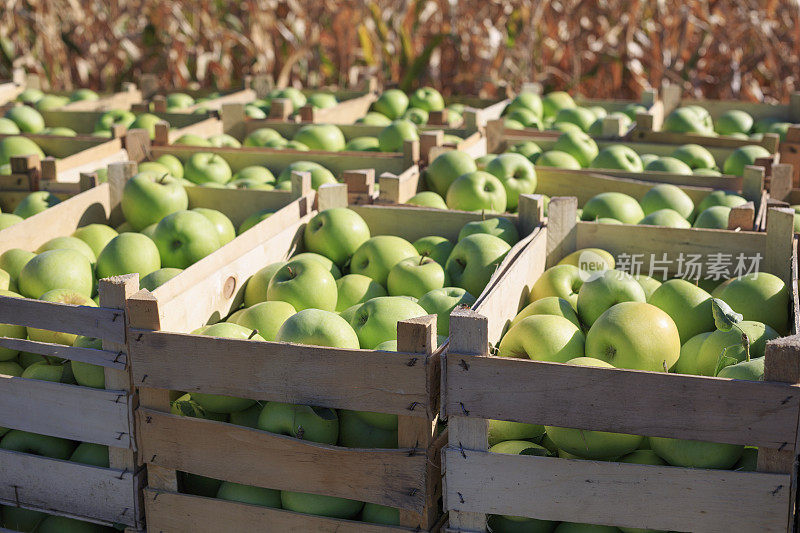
{"x":106,"y":358}
{"x":752,"y":413}
{"x":398,"y":189}
{"x":344,"y":112}
{"x":96,"y":322}
{"x":778,"y":257}
{"x":237,"y":204}
{"x":768,"y":141}
{"x":244,"y":96}
{"x":385,"y":477}
{"x":730,"y":183}
{"x":640,"y":496}
{"x":562,"y":233}
{"x":64,"y":487}
{"x":181,"y":513}
{"x":66,"y":411}
{"x":204,"y":128}
{"x":352,"y":379}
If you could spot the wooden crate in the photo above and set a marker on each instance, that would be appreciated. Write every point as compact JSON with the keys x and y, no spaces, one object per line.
{"x":124,"y":99}
{"x":404,"y":383}
{"x":477,"y":387}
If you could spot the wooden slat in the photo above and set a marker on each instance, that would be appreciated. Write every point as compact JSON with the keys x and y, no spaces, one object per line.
{"x":642,"y":496}
{"x":398,"y":189}
{"x":181,"y":513}
{"x":64,"y":487}
{"x":730,"y":183}
{"x":95,"y":322}
{"x":204,"y":128}
{"x":328,"y":377}
{"x":66,"y":411}
{"x":93,"y":356}
{"x":237,"y":204}
{"x":243,"y":96}
{"x":768,"y":141}
{"x":344,"y":112}
{"x":752,"y":413}
{"x":395,"y":478}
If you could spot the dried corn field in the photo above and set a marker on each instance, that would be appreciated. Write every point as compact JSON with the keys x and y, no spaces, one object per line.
{"x":746,"y":49}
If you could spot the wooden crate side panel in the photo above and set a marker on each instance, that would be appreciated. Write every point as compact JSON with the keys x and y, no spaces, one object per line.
{"x":244,"y":96}
{"x":63,"y":487}
{"x":182,"y":513}
{"x":345,"y":111}
{"x":732,"y":183}
{"x":117,"y":360}
{"x":63,"y":147}
{"x":395,"y":478}
{"x":640,"y":496}
{"x":328,"y":377}
{"x":237,"y":204}
{"x":710,"y":142}
{"x":98,"y":322}
{"x":204,"y":128}
{"x":66,"y":411}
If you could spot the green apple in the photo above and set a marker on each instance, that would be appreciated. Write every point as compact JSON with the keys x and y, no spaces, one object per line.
{"x":761,"y":296}
{"x":198,"y":485}
{"x":723,"y":198}
{"x":56,"y":269}
{"x":321,"y":100}
{"x":315,"y":424}
{"x":68,"y":243}
{"x":670,"y":165}
{"x":517,"y":175}
{"x":543,"y":338}
{"x":687,"y":361}
{"x":319,"y":328}
{"x":35,"y":203}
{"x":62,"y":524}
{"x":415,"y":276}
{"x":441,"y":302}
{"x":115,"y":117}
{"x":392,"y":103}
{"x":185,"y":237}
{"x":618,"y":157}
{"x":266,"y":318}
{"x":255,"y":174}
{"x":373,"y":118}
{"x":223,"y":225}
{"x":296,"y":96}
{"x":555,"y":101}
{"x":21,"y":519}
{"x":427,"y":98}
{"x":376,"y":256}
{"x":498,"y":226}
{"x":236,"y":492}
{"x":88,"y":453}
{"x":665,"y":217}
{"x":733,"y":121}
{"x":96,"y":236}
{"x":319,"y":505}
{"x":256,"y":289}
{"x":580,"y":116}
{"x":474,"y":260}
{"x":204,"y":167}
{"x":51,"y":102}
{"x":44,"y":371}
{"x":35,"y":444}
{"x":18,"y":146}
{"x":563,"y":281}
{"x":376,"y":320}
{"x":527,"y":100}
{"x":667,"y":196}
{"x":549,"y":305}
{"x":6,"y":283}
{"x":254,"y":219}
{"x":743,"y":156}
{"x":87,"y":374}
{"x":525,"y":117}
{"x":483,"y":161}
{"x":695,"y":156}
{"x":8,"y":219}
{"x":477,"y":191}
{"x":392,"y":137}
{"x":27,"y":119}
{"x":614,"y":205}
{"x":648,"y":158}
{"x":689,"y":119}
{"x":224,"y":140}
{"x":696,"y":454}
{"x":319,"y":174}
{"x":529,"y":149}
{"x":63,"y":296}
{"x":557,"y":159}
{"x":579,"y":145}
{"x":59,"y":131}
{"x":616,"y":337}
{"x":362,"y":144}
{"x":261,"y":137}
{"x":329,"y":265}
{"x":688,"y":305}
{"x":356,"y":289}
{"x":184,"y":405}
{"x":504,"y":431}
{"x":147,"y":198}
{"x":436,"y":247}
{"x":427,"y":199}
{"x":752,"y":370}
{"x":128,"y":253}
{"x":13,"y":259}
{"x":247,"y":417}
{"x":336,"y":233}
{"x":446,"y":168}
{"x":190,"y":139}
{"x":356,"y":432}
{"x":305,"y":285}
{"x":12,"y":331}
{"x":147,"y":122}
{"x":325,"y":137}
{"x":605,"y":290}
{"x":590,"y":260}
{"x":178,"y":101}
{"x":380,"y":514}
{"x":715,"y":217}
{"x":416,"y":115}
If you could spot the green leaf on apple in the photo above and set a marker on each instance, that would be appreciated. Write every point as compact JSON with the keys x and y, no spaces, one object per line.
{"x":724,"y":317}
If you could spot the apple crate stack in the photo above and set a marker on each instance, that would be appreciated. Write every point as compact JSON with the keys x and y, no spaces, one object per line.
{"x":166,"y":357}
{"x":478,"y":483}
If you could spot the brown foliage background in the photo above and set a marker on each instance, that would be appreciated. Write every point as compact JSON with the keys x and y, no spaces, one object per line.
{"x":747,"y":49}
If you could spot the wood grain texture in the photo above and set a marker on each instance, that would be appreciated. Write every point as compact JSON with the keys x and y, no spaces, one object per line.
{"x":117,"y":360}
{"x":291,"y":373}
{"x":181,"y":513}
{"x":96,"y":322}
{"x":66,"y":411}
{"x":641,"y":496}
{"x":64,"y":487}
{"x":395,"y":478}
{"x":561,"y":228}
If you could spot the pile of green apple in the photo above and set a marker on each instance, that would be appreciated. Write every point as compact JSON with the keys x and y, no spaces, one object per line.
{"x":663,"y":205}
{"x":394,"y":104}
{"x":347,"y":290}
{"x":128,"y":119}
{"x":46,"y":102}
{"x":260,"y":108}
{"x":576,"y":150}
{"x":733,"y":123}
{"x":21,"y":519}
{"x":583,"y":312}
{"x":558,"y":111}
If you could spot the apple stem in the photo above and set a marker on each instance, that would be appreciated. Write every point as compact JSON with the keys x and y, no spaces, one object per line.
{"x":291,"y":273}
{"x":421,"y":259}
{"x":745,"y":344}
{"x":252,"y":334}
{"x":483,"y":215}
{"x":162,"y":178}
